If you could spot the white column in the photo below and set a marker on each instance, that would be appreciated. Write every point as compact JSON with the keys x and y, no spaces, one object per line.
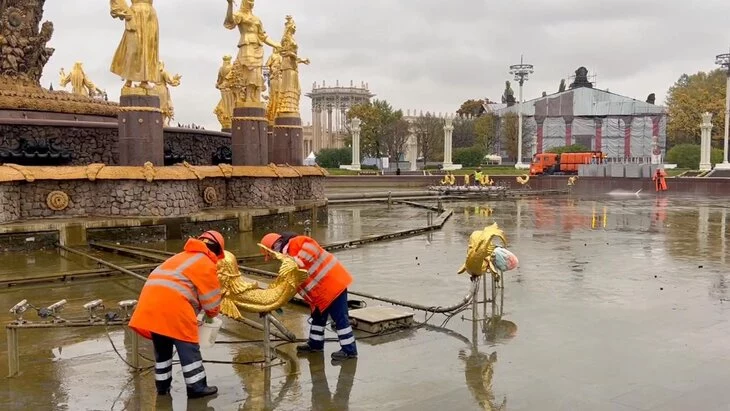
{"x":725,"y":165}
{"x":355,"y":127}
{"x":519,"y":132}
{"x":705,"y":146}
{"x":448,"y":136}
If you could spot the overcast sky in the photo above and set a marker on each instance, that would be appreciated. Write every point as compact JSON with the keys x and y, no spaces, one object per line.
{"x":417,"y":54}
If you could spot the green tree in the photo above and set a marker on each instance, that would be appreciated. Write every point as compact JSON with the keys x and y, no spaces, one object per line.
{"x":469,"y":157}
{"x":688,"y":156}
{"x":334,"y":157}
{"x":575,"y":148}
{"x":691,"y":96}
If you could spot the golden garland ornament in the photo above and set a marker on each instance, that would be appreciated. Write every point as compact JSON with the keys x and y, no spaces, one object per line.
{"x":210,"y":196}
{"x":57,"y":200}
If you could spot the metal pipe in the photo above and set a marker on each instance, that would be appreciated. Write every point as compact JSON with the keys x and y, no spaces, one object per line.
{"x":13,"y":355}
{"x":267,"y":340}
{"x":102,"y":262}
{"x":289,"y":335}
{"x":254,"y":324}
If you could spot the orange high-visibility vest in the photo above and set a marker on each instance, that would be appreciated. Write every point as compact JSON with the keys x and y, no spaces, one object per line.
{"x":327,"y":279}
{"x":176,"y":291}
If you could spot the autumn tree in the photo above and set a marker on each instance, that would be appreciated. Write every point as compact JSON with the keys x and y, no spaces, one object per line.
{"x":384,"y":132}
{"x":509,"y":134}
{"x":470,"y":108}
{"x":485,"y":131}
{"x":429,"y":132}
{"x":691,"y":96}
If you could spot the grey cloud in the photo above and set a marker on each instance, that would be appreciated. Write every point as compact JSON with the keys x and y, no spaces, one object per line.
{"x":426,"y":54}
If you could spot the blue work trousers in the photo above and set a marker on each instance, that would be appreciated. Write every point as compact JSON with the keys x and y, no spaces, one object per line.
{"x":338,"y":311}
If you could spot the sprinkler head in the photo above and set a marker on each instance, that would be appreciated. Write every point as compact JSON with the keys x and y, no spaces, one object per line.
{"x":127,"y":306}
{"x":52,"y":310}
{"x":18,"y":309}
{"x":92,"y":307}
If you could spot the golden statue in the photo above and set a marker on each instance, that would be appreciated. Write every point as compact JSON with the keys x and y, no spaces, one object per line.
{"x":80,"y":83}
{"x":290,"y":90}
{"x":466,"y":179}
{"x":572,"y":180}
{"x":224,"y":109}
{"x":480,"y":251}
{"x":161,"y":90}
{"x":486,"y":181}
{"x":274,"y":65}
{"x":247,"y":74}
{"x":524,"y":180}
{"x":239,"y":294}
{"x":137,"y":56}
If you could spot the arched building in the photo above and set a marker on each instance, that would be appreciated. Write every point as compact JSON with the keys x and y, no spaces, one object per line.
{"x":329,"y":112}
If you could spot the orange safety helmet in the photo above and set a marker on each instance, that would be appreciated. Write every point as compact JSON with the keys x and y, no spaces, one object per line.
{"x":215,"y":237}
{"x":268,"y":241}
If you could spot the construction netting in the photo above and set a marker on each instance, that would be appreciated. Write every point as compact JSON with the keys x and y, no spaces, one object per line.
{"x":613,"y":140}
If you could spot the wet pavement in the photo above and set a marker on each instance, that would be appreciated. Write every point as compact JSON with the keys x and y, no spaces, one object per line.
{"x":618,"y":304}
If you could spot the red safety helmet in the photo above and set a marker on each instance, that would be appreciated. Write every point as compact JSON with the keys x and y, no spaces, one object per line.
{"x":268,"y":241}
{"x":215,"y":237}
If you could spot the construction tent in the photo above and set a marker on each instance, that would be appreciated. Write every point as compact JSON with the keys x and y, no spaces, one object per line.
{"x":619,"y":126}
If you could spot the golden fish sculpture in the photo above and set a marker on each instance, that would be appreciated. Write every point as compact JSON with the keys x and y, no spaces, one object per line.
{"x":479,"y":253}
{"x":238,"y":295}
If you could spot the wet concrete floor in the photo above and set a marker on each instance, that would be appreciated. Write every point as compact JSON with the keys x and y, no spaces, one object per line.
{"x":623,"y":312}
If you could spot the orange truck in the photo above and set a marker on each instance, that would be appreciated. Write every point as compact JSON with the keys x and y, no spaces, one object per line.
{"x":566,"y":163}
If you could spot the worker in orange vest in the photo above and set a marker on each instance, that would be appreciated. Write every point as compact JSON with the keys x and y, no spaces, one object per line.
{"x":325,"y":290}
{"x":660,"y":179}
{"x":168,"y":306}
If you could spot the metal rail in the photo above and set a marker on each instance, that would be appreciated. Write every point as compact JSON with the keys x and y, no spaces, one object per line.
{"x":14,"y":347}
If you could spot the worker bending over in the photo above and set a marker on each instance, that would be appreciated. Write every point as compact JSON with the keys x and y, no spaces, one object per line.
{"x":325,"y":290}
{"x":167,"y":311}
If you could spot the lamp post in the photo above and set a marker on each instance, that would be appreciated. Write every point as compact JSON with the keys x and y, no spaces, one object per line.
{"x":724,"y":61}
{"x":521,"y":72}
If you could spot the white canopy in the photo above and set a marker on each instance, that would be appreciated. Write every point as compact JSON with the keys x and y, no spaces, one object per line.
{"x":310,"y":160}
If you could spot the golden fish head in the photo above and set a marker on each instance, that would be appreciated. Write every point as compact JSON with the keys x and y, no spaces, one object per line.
{"x":481,"y":246}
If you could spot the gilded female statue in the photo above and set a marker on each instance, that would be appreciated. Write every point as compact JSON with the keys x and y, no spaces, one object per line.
{"x":80,"y":83}
{"x":247,"y":73}
{"x":161,"y":90}
{"x":224,"y":109}
{"x":137,"y":56}
{"x":274,"y":65}
{"x":290,"y":89}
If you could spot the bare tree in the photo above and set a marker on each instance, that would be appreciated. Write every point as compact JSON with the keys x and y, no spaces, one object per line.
{"x":429,"y":132}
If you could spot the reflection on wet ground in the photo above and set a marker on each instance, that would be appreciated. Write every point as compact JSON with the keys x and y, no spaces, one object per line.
{"x":617,"y":305}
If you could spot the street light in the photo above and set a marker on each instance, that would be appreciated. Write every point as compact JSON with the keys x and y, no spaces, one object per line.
{"x":521,"y":72}
{"x":724,"y":61}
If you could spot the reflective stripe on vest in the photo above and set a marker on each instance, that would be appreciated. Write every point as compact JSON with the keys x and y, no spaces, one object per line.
{"x":322,"y":263}
{"x":176,"y":280}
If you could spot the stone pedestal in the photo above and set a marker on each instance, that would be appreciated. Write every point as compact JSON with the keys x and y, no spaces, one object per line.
{"x":288,"y":140}
{"x":249,"y":138}
{"x":140,"y":131}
